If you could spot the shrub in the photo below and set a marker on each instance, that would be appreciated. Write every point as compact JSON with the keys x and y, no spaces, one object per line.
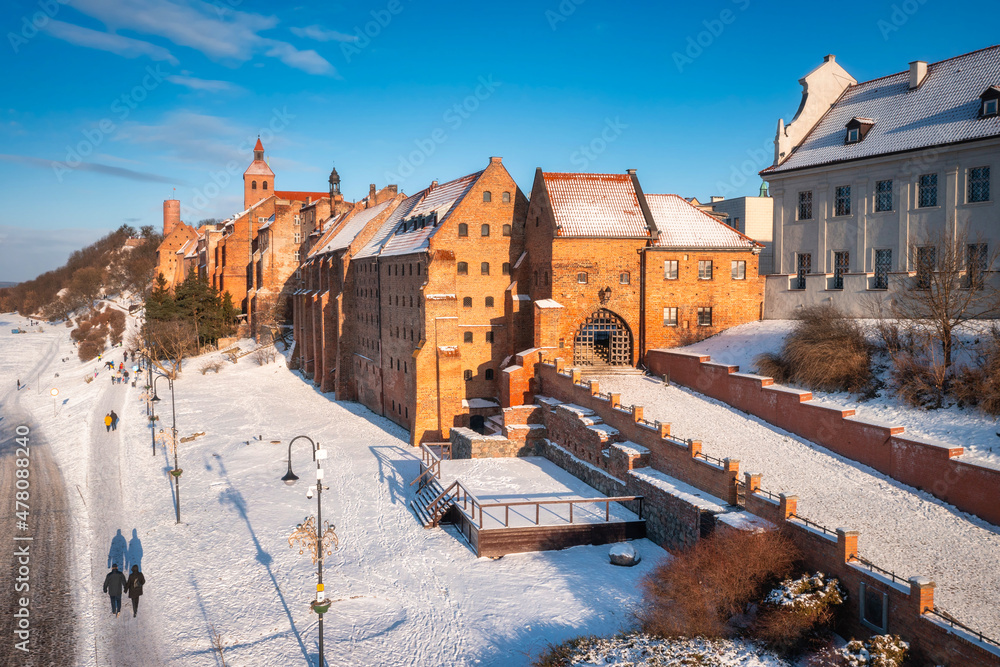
{"x":89,"y":349}
{"x":979,"y":384}
{"x":81,"y":331}
{"x":826,"y":351}
{"x":215,"y":366}
{"x":701,"y":589}
{"x":795,"y":611}
{"x":919,"y":381}
{"x":265,"y":355}
{"x":879,"y":651}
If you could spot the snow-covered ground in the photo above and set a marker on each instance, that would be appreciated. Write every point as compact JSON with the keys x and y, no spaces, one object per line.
{"x":402,"y":595}
{"x":978,"y":433}
{"x":902,"y":529}
{"x":528,"y":479}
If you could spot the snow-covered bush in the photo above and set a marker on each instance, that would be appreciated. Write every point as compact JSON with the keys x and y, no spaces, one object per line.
{"x":879,"y":651}
{"x":792,"y":614}
{"x":633,"y":649}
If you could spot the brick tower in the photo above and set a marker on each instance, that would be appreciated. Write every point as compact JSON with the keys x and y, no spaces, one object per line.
{"x":258,"y":179}
{"x":171,"y":215}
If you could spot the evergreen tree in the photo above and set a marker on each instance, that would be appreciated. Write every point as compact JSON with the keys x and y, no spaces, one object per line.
{"x":160,"y":305}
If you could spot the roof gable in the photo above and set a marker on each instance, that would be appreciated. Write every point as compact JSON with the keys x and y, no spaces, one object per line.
{"x":347,"y":231}
{"x":601,"y":205}
{"x":429,"y":214}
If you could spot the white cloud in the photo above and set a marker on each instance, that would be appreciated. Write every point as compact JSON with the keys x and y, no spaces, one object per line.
{"x":321,"y":34}
{"x":209,"y":85}
{"x":219,"y":32}
{"x":103,"y":41}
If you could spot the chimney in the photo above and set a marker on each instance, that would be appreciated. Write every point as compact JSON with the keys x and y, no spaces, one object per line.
{"x":171,"y":215}
{"x":371,"y":193}
{"x":394,"y":189}
{"x":496,"y":160}
{"x":434,"y":184}
{"x":715,"y":198}
{"x":830,"y":58}
{"x":630,"y":172}
{"x":918,"y":71}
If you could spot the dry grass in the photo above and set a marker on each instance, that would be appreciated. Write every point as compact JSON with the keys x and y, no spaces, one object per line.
{"x":700,"y":590}
{"x":826,"y":352}
{"x":265,"y":355}
{"x":214,"y":366}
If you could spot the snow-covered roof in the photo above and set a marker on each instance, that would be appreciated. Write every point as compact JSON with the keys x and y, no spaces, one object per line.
{"x":944,"y":109}
{"x":682,"y":225}
{"x":595,"y":205}
{"x":374,"y":247}
{"x":352,"y":227}
{"x":267,"y":223}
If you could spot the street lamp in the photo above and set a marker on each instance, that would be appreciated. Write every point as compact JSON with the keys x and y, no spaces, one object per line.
{"x":176,"y":472}
{"x":318,"y":538}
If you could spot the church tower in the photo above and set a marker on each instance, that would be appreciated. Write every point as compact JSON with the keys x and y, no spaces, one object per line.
{"x":258,"y":179}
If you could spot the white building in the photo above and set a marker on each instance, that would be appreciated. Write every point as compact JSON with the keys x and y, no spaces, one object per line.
{"x":753,"y":216}
{"x":866,"y":174}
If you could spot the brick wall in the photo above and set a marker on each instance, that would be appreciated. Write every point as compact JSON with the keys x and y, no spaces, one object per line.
{"x":925,"y":464}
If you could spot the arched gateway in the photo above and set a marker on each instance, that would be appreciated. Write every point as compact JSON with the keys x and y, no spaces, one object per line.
{"x":603,"y":339}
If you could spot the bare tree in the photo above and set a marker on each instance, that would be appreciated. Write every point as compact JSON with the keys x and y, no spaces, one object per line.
{"x":950,"y":287}
{"x":171,"y":343}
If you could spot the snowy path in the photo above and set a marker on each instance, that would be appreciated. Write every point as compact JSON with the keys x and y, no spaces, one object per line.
{"x":902,"y":529}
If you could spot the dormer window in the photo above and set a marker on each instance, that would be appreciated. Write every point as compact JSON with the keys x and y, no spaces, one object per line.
{"x":989,"y":102}
{"x":857,"y":129}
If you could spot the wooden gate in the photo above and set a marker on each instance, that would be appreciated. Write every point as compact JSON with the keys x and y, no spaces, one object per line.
{"x":603,"y":339}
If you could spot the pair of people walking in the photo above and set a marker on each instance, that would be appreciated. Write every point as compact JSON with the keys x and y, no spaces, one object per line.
{"x":116,"y":582}
{"x":111,"y":421}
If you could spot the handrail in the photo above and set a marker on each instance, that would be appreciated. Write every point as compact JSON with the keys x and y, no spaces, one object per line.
{"x":711,"y":459}
{"x":770,"y":495}
{"x":538,"y":503}
{"x":955,"y":623}
{"x":812,"y":523}
{"x":875,"y":568}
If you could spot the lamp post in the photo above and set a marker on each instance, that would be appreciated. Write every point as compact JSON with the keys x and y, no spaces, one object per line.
{"x":176,"y":472}
{"x":317,"y":541}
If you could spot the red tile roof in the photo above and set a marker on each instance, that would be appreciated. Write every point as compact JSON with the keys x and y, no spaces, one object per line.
{"x":595,"y":205}
{"x":299,"y":195}
{"x":259,"y":146}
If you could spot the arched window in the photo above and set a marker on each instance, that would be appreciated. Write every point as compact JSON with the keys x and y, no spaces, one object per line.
{"x":484,"y":230}
{"x":489,"y":302}
{"x":489,"y":373}
{"x":581,"y":277}
{"x":484,"y":268}
{"x":463,"y":229}
{"x":506,"y":268}
{"x":487,"y":196}
{"x":265,"y":185}
{"x":467,"y":302}
{"x":253,"y":185}
{"x":468,"y":337}
{"x":506,"y":230}
{"x":506,"y":198}
{"x":463,"y":268}
{"x":468,"y":374}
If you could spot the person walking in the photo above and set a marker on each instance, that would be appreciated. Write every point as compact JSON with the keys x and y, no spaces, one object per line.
{"x":107,"y":422}
{"x":134,"y":588}
{"x":114,"y":583}
{"x":19,"y":385}
{"x":114,"y":421}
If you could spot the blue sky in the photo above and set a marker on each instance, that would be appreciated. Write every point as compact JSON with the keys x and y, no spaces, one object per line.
{"x":112,"y":105}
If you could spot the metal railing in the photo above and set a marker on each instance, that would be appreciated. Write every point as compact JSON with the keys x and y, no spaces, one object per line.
{"x":813,"y":524}
{"x":875,"y":568}
{"x":468,"y":500}
{"x":775,"y":498}
{"x":950,"y":620}
{"x":711,"y":459}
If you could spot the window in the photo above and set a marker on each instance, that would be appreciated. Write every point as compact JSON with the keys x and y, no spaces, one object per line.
{"x":979,"y":184}
{"x":704,"y":317}
{"x":669,"y":317}
{"x":581,"y":277}
{"x":927,"y":191}
{"x":253,"y":185}
{"x":883,"y":264}
{"x":468,"y":336}
{"x":975,"y":265}
{"x":704,"y":269}
{"x":506,"y":268}
{"x":804,"y":266}
{"x":265,"y":185}
{"x":484,"y":230}
{"x":806,"y":205}
{"x":624,"y":278}
{"x":298,"y":256}
{"x":736,"y":224}
{"x":505,"y":198}
{"x":883,"y":195}
{"x":298,"y":237}
{"x":843,"y":200}
{"x":853,"y":135}
{"x":506,"y":230}
{"x":467,"y":302}
{"x":536,"y":221}
{"x":468,"y":375}
{"x":489,"y":302}
{"x":841,"y":265}
{"x":739,"y":268}
{"x":489,"y":336}
{"x":297,"y":220}
{"x":874,"y":608}
{"x":489,"y":373}
{"x":463,"y":268}
{"x":484,"y":268}
{"x":487,"y":196}
{"x":989,"y":107}
{"x":926,"y":262}
{"x":670,"y":269}
{"x":463,"y":229}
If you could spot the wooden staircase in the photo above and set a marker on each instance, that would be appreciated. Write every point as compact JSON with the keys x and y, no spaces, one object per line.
{"x":607,"y":369}
{"x":431,"y":503}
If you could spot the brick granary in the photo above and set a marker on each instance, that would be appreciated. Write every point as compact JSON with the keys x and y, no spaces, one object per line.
{"x":414,"y":305}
